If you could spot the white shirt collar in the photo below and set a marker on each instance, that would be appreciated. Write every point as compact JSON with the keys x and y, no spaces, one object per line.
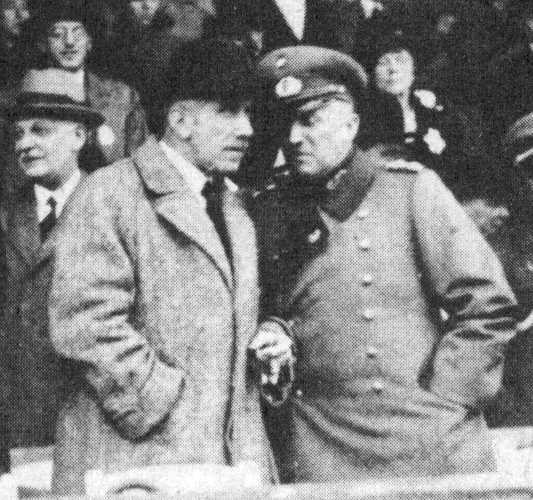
{"x":60,"y":195}
{"x":294,"y":13}
{"x":193,"y":176}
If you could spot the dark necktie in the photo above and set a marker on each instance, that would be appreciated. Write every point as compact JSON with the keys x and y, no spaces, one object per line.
{"x":212,"y":192}
{"x":49,"y":221}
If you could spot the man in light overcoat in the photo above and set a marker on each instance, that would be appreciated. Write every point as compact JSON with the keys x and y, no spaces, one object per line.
{"x":400,"y":310}
{"x":155,"y":292}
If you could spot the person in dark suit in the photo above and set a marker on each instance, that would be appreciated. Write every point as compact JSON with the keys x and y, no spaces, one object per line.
{"x":155,"y":294}
{"x":506,"y":95}
{"x":64,"y":31}
{"x":400,"y":310}
{"x":280,"y":23}
{"x":50,"y":130}
{"x":506,"y":222}
{"x":147,"y":33}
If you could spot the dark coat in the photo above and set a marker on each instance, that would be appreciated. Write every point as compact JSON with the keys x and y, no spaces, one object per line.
{"x":384,"y":386}
{"x":37,"y":377}
{"x":446,"y":139}
{"x":324,"y":24}
{"x":124,"y":117}
{"x":146,"y":301}
{"x":506,"y":94}
{"x":511,"y":236}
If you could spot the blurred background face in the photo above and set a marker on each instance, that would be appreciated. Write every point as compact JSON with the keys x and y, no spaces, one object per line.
{"x":47,"y":150}
{"x":220,"y":136}
{"x":144,"y":11}
{"x":13,"y":14}
{"x":395,"y":72}
{"x":68,"y":44}
{"x":321,"y":137}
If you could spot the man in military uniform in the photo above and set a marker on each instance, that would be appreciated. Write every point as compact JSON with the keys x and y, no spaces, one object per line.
{"x":400,"y":310}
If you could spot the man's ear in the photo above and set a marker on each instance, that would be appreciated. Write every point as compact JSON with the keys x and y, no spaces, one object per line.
{"x":81,"y":134}
{"x":353,"y":124}
{"x":179,"y":120}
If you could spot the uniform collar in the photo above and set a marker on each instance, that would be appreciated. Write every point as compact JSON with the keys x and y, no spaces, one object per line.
{"x":346,"y":190}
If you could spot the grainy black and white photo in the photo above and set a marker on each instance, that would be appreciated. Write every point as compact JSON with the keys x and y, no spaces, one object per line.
{"x":266,"y":249}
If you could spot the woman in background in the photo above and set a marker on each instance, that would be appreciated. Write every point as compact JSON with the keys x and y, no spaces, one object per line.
{"x":427,"y":128}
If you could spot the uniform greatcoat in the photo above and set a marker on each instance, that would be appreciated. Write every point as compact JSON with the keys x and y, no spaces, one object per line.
{"x":145,"y":300}
{"x":384,"y":387}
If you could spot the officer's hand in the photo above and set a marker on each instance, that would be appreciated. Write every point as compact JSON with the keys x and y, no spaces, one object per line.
{"x":273,"y":351}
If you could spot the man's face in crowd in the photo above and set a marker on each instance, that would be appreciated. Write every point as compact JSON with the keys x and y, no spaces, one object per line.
{"x":68,"y":44}
{"x":321,"y":137}
{"x":14,"y":13}
{"x":144,"y":10}
{"x":220,"y":135}
{"x":47,"y":150}
{"x":395,"y":72}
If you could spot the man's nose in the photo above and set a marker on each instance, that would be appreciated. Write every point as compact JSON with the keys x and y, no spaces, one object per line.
{"x":295,"y":136}
{"x":243,"y":125}
{"x":69,"y":37}
{"x":23,"y":142}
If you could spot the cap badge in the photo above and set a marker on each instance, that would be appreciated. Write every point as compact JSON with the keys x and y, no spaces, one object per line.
{"x":288,"y":87}
{"x":280,"y":62}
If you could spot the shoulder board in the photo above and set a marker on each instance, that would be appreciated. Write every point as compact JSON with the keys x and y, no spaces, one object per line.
{"x":401,"y":165}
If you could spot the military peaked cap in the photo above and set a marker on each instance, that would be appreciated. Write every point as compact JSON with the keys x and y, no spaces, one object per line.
{"x":303,"y":73}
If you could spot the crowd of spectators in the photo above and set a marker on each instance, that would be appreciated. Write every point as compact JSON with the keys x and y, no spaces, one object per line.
{"x":447,"y":80}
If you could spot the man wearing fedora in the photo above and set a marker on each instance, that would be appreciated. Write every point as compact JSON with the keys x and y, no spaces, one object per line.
{"x":49,"y":130}
{"x":65,"y":32}
{"x":400,"y":311}
{"x":155,"y":294}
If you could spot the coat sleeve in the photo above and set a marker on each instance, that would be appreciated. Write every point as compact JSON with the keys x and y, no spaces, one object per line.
{"x":466,"y":280}
{"x":92,"y":305}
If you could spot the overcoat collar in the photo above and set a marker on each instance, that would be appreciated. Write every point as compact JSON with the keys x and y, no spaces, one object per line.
{"x":177,"y":204}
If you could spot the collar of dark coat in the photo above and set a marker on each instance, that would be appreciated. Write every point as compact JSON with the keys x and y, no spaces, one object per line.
{"x":348,"y":188}
{"x":98,"y":93}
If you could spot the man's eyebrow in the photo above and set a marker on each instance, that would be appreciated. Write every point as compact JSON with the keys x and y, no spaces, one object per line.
{"x":306,"y":113}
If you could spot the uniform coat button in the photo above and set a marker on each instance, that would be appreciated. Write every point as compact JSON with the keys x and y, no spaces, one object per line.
{"x":369,"y":314}
{"x":364,"y":244}
{"x":367,"y":279}
{"x":378,"y":386}
{"x":314,"y":236}
{"x":363,"y":213}
{"x":371,"y":352}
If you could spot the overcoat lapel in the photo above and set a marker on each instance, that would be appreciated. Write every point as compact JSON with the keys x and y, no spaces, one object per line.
{"x":21,"y":225}
{"x":175,"y":203}
{"x":245,"y":437}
